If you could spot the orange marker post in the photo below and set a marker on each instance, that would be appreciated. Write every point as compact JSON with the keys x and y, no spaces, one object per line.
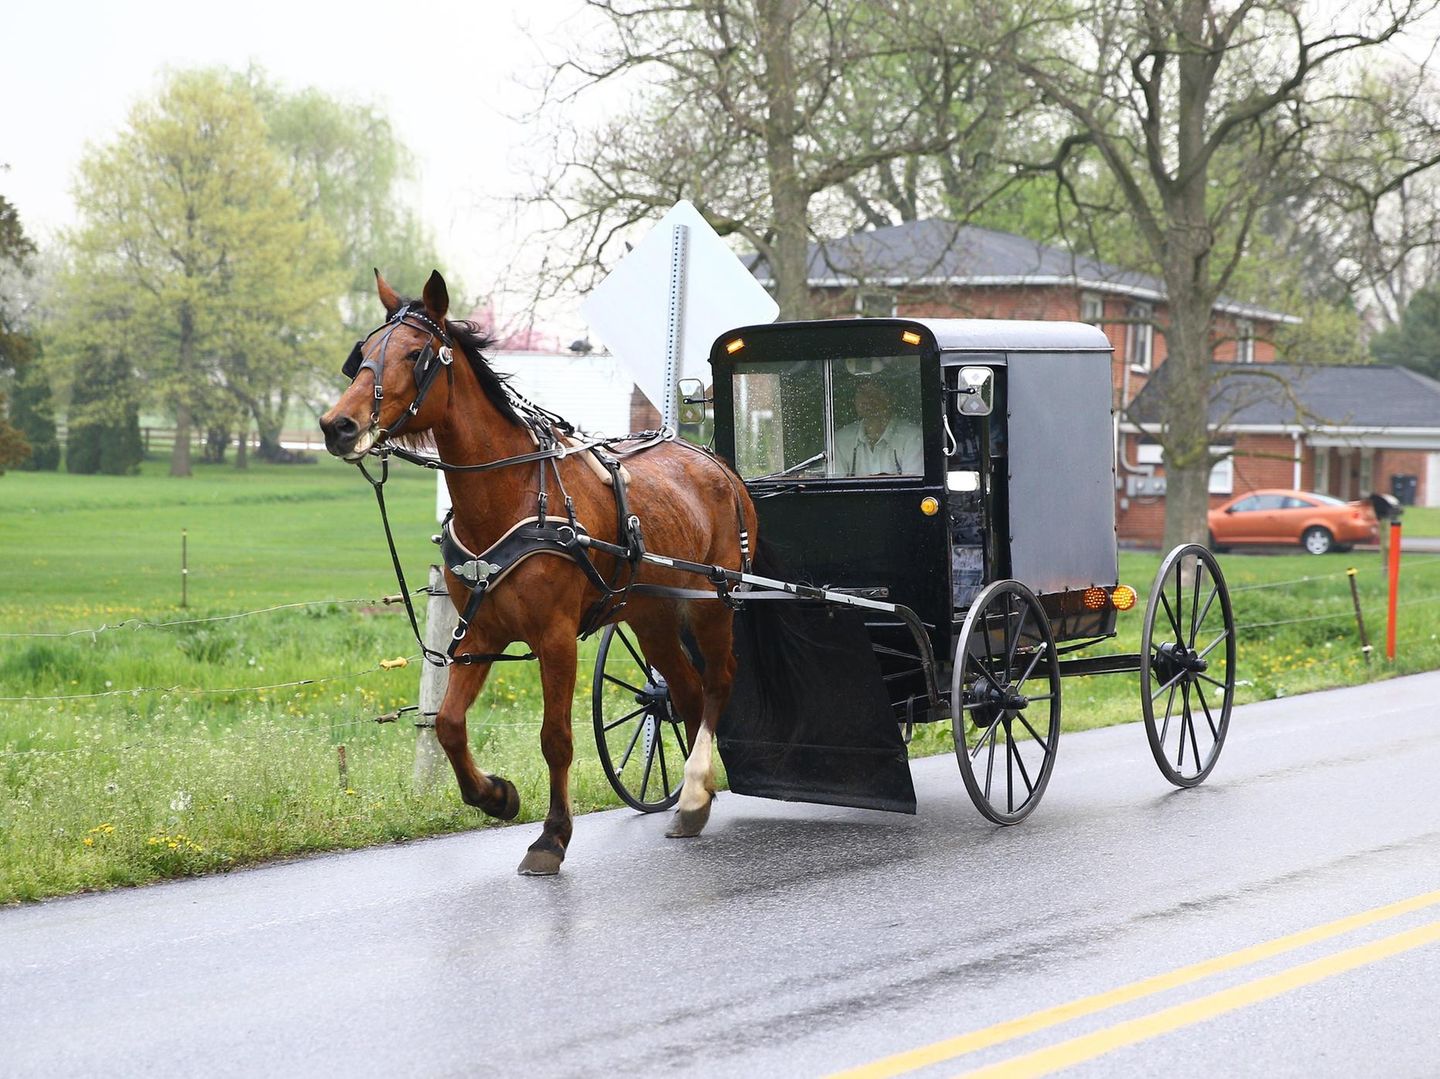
{"x":1394,"y":588}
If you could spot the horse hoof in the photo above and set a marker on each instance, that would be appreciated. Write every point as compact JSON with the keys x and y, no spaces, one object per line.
{"x":540,"y":863}
{"x":509,"y":807}
{"x":688,"y":823}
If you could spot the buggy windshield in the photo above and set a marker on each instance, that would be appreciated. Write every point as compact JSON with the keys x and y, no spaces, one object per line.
{"x":828,"y":417}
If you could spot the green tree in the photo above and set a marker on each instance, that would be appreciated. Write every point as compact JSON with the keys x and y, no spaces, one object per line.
{"x":1414,"y":341}
{"x":16,"y":348}
{"x":193,"y":250}
{"x":1200,"y":115}
{"x":104,"y":429}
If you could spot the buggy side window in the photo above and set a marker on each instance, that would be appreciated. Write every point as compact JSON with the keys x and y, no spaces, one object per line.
{"x":780,"y":418}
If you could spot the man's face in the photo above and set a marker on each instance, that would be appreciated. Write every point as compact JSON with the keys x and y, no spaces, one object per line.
{"x":871,"y":401}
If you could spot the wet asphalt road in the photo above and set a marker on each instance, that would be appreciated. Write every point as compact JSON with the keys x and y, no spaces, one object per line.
{"x":792,"y":940}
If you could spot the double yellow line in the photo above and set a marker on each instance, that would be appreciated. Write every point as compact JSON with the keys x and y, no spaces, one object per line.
{"x":1088,"y":1046}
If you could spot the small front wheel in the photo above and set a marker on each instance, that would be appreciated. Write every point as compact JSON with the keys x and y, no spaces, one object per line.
{"x":1005,"y":700}
{"x":642,"y":745}
{"x":1187,"y":657}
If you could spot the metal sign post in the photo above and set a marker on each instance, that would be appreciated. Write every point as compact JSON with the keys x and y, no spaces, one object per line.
{"x":679,"y":253}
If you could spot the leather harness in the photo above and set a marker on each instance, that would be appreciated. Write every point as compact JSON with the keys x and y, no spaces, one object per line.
{"x":540,"y":534}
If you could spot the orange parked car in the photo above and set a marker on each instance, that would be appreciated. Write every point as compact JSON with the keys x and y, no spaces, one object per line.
{"x":1318,"y":523}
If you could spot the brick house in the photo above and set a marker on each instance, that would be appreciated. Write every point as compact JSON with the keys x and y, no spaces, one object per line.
{"x":939,"y":269}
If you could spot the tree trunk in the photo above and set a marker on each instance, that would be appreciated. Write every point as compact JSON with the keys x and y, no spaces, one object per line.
{"x":1186,"y":404}
{"x":242,"y":449}
{"x":180,"y":453}
{"x":787,"y":194}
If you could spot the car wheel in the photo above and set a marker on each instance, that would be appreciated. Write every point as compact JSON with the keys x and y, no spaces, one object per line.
{"x":1217,"y":548}
{"x":1317,"y":540}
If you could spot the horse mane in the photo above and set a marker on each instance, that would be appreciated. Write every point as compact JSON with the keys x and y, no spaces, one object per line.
{"x":472,"y":341}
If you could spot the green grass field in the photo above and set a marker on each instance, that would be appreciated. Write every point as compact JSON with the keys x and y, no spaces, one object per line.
{"x":142,"y":752}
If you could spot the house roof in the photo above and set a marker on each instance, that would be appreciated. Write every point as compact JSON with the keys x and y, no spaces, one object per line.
{"x":937,"y":252}
{"x":1284,"y":395}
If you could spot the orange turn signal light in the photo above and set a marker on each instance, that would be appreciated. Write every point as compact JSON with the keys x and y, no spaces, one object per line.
{"x":910,"y":337}
{"x":735,"y":345}
{"x":1094,"y":598}
{"x":1123,"y":597}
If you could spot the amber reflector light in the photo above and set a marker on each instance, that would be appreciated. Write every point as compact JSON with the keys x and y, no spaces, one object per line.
{"x":735,"y":345}
{"x":1123,"y":597}
{"x":910,"y":337}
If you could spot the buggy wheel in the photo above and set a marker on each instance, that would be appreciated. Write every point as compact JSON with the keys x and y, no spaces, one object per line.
{"x":1187,"y":659}
{"x":1005,"y":702}
{"x":642,"y":745}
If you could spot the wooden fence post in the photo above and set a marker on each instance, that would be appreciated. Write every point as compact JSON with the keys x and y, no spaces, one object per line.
{"x":440,"y":621}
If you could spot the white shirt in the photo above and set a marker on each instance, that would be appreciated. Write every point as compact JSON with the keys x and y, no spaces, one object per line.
{"x":898,"y":451}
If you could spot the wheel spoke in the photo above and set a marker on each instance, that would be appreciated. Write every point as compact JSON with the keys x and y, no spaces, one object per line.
{"x":1039,"y":654}
{"x":1024,"y":775}
{"x":624,"y":685}
{"x":1209,"y":602}
{"x":1200,"y":695}
{"x":1190,"y":722}
{"x":1164,"y":730}
{"x":680,"y":739}
{"x":628,"y":716}
{"x":1009,"y":774}
{"x":649,"y":763}
{"x":1041,"y":697}
{"x":1211,"y":646}
{"x":1218,"y":685}
{"x":989,"y":736}
{"x":630,"y":748}
{"x":1174,"y":623}
{"x":664,"y":772}
{"x":1033,"y":734}
{"x":990,"y":763}
{"x":1012,"y":634}
{"x":1174,"y":680}
{"x":1195,"y":602}
{"x":631,"y":649}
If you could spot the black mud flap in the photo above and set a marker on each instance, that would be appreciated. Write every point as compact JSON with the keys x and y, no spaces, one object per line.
{"x":809,"y":719}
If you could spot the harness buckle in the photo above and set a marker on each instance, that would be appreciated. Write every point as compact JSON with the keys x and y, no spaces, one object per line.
{"x":560,"y":535}
{"x":475,"y":571}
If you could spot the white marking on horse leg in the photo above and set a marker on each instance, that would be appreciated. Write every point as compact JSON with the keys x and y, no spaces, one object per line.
{"x":699,"y":772}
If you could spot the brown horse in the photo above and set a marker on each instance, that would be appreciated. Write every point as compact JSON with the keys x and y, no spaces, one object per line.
{"x":690,"y":504}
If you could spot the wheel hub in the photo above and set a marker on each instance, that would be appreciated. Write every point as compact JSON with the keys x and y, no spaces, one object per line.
{"x":1175,"y":658}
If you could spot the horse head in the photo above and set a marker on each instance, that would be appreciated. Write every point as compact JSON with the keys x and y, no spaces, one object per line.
{"x":404,"y":358}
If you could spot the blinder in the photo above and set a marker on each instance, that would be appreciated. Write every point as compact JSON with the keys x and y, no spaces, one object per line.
{"x":426,"y":366}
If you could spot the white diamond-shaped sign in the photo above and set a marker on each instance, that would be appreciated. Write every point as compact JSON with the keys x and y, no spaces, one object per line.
{"x":629,"y":310}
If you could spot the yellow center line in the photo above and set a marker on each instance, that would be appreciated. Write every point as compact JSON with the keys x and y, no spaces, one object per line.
{"x":1089,"y":1046}
{"x":951,"y":1048}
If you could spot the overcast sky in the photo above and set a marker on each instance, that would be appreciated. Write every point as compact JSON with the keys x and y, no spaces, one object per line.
{"x":449,"y":73}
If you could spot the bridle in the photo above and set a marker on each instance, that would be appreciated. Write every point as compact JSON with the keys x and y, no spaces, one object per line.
{"x":428,"y":364}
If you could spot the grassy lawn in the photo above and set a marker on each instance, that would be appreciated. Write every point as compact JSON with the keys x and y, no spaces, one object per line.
{"x":145,"y":752}
{"x":1421,"y":521}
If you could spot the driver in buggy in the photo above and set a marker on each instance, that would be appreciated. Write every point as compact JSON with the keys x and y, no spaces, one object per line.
{"x":879,"y":442}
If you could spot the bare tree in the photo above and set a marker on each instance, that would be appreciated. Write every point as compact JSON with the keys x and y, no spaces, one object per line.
{"x":1199,"y":114}
{"x":754,"y":108}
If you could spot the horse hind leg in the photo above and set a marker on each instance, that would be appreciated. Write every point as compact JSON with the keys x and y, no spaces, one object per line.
{"x":712,"y":625}
{"x":660,"y":641}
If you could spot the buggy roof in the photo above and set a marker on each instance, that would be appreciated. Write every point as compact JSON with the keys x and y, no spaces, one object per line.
{"x":1014,"y":335}
{"x":994,"y":335}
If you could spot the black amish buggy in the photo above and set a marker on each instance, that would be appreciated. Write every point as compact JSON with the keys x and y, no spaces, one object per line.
{"x":937,"y":519}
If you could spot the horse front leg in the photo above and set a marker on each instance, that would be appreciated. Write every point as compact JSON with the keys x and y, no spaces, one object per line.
{"x":495,"y":795}
{"x":557,"y":678}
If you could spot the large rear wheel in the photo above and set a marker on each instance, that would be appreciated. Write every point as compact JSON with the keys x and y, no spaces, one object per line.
{"x":1187,"y":660}
{"x":1005,"y":701}
{"x":642,"y":745}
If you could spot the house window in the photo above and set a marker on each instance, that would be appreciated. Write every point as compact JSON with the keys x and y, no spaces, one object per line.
{"x":875,"y":304}
{"x":1140,"y":336}
{"x":1244,"y":341}
{"x":1322,"y":471}
{"x":1092,"y":308}
{"x":1222,"y":477}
